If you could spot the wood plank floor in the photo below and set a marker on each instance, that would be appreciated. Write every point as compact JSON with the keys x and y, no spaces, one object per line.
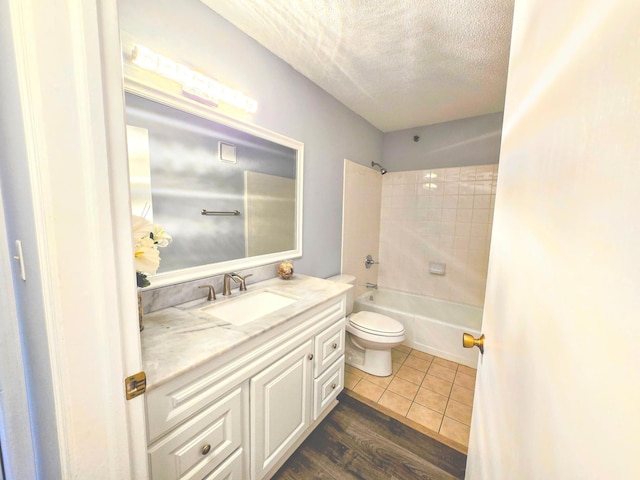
{"x":356,"y":441}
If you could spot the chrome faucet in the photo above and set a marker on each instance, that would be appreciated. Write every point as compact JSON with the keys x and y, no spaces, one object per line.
{"x":236,"y":278}
{"x":212,"y":292}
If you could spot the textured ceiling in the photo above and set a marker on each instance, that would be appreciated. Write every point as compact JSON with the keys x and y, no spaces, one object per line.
{"x":397,"y":63}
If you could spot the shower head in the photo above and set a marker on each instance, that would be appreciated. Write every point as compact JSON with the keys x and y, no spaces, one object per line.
{"x":382,"y":169}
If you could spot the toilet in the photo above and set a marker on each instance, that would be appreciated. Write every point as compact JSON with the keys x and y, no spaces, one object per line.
{"x":370,"y":336}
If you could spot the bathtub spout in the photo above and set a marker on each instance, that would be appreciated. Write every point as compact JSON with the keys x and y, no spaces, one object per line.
{"x":371,"y":285}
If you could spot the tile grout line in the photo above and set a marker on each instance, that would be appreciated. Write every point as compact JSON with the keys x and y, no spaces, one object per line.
{"x":405,"y":355}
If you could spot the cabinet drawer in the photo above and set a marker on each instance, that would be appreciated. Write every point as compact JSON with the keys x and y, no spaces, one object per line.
{"x":329,"y":345}
{"x":328,"y":386}
{"x":198,"y":446}
{"x":231,"y":469}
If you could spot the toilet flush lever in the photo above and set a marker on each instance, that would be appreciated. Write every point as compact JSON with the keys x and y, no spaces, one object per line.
{"x":469,"y":342}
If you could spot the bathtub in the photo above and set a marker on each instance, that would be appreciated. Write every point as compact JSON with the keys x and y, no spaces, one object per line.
{"x":432,"y":325}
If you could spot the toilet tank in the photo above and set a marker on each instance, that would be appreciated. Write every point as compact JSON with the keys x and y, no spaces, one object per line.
{"x":350,"y":280}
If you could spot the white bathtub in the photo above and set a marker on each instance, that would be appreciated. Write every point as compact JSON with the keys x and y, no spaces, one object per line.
{"x":432,"y":325}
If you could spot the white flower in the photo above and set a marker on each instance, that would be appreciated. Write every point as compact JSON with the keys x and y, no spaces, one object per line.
{"x":147,"y":256}
{"x":160,"y":237}
{"x":141,"y":227}
{"x":147,"y":238}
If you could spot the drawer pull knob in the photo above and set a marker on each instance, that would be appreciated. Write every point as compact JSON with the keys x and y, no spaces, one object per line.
{"x":311,"y":356}
{"x":335,"y":345}
{"x":333,"y":386}
{"x":206,"y":449}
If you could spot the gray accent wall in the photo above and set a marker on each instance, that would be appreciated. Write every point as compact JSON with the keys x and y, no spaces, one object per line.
{"x":288,"y":103}
{"x":469,"y":141}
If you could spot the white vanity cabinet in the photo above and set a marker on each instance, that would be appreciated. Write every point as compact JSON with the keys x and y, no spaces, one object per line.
{"x":241,"y":415}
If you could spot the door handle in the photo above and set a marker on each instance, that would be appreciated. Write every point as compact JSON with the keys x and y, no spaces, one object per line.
{"x":469,"y":342}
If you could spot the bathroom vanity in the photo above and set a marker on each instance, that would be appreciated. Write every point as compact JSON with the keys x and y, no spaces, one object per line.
{"x":225,"y":396}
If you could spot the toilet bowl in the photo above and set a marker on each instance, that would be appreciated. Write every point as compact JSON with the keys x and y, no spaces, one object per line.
{"x":374,"y":335}
{"x":370,"y":336}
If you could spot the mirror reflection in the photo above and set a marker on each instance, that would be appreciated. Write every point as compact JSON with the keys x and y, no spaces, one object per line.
{"x":222,"y":194}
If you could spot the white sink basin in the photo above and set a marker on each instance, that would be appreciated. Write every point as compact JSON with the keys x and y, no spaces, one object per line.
{"x":249,"y":307}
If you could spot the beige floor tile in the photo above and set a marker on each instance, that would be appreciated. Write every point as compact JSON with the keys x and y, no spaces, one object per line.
{"x":462,"y":395}
{"x":466,"y":381}
{"x":437,"y":385}
{"x":382,"y":381}
{"x":410,"y":374}
{"x":425,"y":416}
{"x":445,"y":363}
{"x":442,"y":397}
{"x":442,"y":372}
{"x":369,"y":390}
{"x":398,"y":356}
{"x":417,"y":363}
{"x":354,"y":371}
{"x":431,"y":399}
{"x":458,"y":411}
{"x":467,"y":370}
{"x":422,"y":355}
{"x":395,"y":366}
{"x":456,"y":431}
{"x":350,"y":380}
{"x":404,"y":388}
{"x":395,"y":402}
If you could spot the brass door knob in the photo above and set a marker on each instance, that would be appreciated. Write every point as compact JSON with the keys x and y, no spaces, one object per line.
{"x":469,"y":342}
{"x":206,"y":449}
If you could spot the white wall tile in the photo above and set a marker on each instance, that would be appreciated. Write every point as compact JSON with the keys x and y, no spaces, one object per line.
{"x":464,"y":215}
{"x":447,"y":219}
{"x":428,"y":215}
{"x":451,"y":188}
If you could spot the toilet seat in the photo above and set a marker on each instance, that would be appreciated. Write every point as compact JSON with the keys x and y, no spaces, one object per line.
{"x":376,"y":324}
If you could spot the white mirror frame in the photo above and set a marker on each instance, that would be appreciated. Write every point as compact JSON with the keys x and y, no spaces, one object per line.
{"x":136,"y":87}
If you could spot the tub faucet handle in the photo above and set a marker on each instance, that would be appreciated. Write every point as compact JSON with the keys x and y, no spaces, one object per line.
{"x":369,"y":261}
{"x":371,"y":285}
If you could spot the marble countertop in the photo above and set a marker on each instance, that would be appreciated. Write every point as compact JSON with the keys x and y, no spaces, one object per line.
{"x":178,"y":339}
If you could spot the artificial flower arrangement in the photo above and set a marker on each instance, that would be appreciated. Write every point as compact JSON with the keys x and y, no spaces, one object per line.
{"x":147,"y":238}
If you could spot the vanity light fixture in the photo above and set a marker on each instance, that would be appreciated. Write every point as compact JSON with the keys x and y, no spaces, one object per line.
{"x":194,"y":84}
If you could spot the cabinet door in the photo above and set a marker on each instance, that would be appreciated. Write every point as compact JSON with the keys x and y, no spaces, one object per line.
{"x":280,"y":407}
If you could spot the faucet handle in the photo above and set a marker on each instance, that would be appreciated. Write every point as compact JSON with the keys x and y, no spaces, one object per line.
{"x":212,"y":292}
{"x":243,"y":285}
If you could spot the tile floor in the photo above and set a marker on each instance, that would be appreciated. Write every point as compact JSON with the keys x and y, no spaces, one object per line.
{"x":431,"y":391}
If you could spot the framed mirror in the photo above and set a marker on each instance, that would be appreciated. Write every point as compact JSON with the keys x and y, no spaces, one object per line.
{"x":227,"y":191}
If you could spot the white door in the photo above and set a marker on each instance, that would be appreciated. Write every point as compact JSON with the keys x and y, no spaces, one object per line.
{"x":558,"y":388}
{"x":65,"y":198}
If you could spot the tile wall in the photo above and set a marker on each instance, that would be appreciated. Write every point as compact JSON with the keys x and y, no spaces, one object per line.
{"x":438,"y":215}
